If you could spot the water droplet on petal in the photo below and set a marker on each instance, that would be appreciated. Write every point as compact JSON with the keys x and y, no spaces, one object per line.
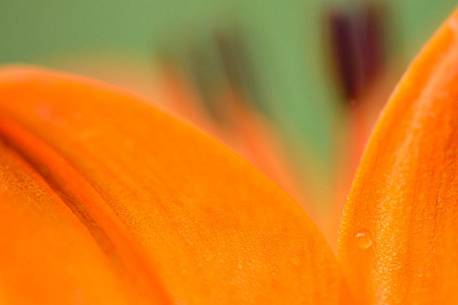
{"x":363,"y":240}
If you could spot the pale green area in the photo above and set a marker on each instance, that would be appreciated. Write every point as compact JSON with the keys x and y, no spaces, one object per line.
{"x":286,"y":38}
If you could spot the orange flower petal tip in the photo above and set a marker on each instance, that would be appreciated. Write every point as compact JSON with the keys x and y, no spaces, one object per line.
{"x":106,"y":200}
{"x":399,"y":237}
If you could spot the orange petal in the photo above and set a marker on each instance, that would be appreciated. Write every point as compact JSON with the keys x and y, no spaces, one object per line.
{"x":399,"y":237}
{"x":106,"y":200}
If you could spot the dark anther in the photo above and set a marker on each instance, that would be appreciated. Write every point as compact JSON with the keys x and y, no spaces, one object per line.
{"x":356,"y":36}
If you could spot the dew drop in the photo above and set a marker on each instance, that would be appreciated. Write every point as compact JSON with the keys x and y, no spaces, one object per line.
{"x":363,"y":240}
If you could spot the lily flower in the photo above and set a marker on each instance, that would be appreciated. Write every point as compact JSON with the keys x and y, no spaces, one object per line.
{"x":106,"y":200}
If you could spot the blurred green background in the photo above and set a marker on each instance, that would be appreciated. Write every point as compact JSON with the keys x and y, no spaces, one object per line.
{"x":286,"y":40}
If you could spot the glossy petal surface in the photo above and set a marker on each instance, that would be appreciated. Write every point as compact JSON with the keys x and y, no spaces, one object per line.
{"x":399,"y":238}
{"x":105,"y":200}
